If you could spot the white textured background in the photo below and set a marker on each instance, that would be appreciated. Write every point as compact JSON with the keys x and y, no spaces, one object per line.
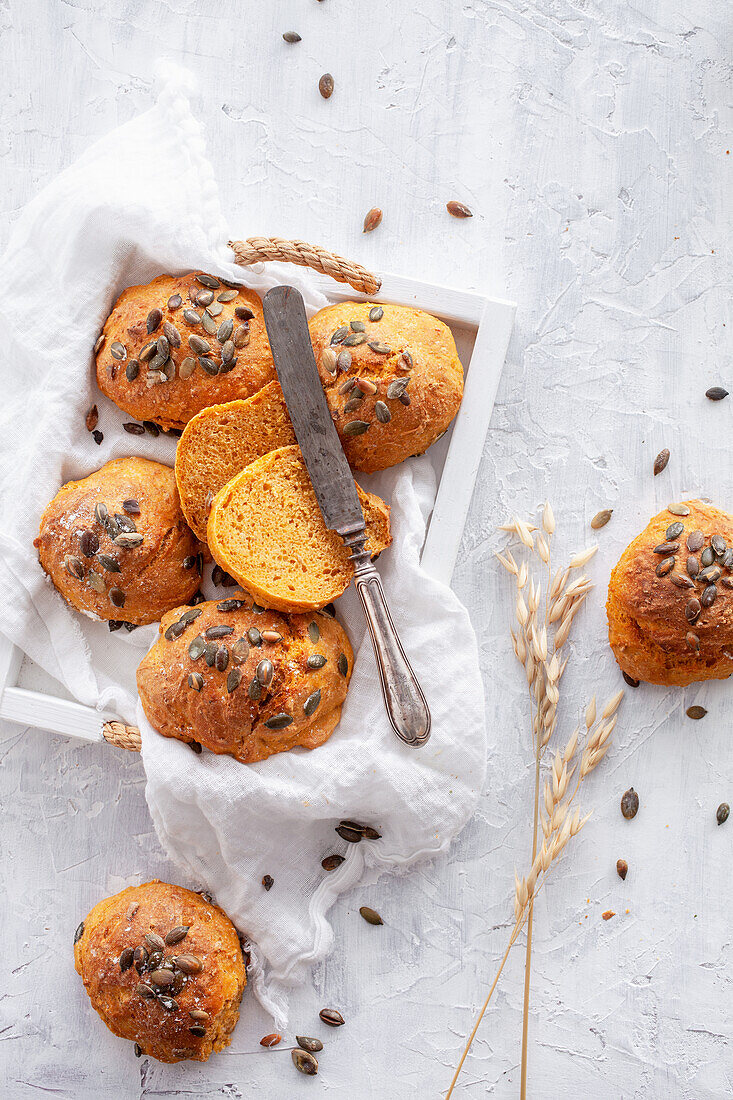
{"x":590,"y":138}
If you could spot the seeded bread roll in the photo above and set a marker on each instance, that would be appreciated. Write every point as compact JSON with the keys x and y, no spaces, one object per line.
{"x":116,"y":544}
{"x":220,"y":441}
{"x":171,"y":347}
{"x":670,"y":598}
{"x":163,"y":967}
{"x":246,"y":681}
{"x":392,"y":377}
{"x":266,"y":529}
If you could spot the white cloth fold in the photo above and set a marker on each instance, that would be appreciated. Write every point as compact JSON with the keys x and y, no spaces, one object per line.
{"x":141,"y":201}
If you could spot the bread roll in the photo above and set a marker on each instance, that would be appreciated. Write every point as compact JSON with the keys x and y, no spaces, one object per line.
{"x":171,"y":347}
{"x":220,"y":441}
{"x":163,"y":967}
{"x":116,"y":544}
{"x":393,"y":385}
{"x":670,"y":598}
{"x":242,"y":680}
{"x":266,"y":529}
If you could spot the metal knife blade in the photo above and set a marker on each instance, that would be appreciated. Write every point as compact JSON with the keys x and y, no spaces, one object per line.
{"x":292,"y":351}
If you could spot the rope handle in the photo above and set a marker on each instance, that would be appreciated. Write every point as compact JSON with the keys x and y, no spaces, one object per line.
{"x":258,"y":249}
{"x":122,"y":736}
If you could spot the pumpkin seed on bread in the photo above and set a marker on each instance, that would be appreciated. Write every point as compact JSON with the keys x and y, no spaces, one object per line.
{"x":266,"y":529}
{"x":220,"y":441}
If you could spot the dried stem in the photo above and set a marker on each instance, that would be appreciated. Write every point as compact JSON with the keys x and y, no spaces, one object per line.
{"x":540,"y":655}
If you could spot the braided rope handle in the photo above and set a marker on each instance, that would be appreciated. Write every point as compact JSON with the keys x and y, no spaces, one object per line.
{"x":122,"y":736}
{"x":256,"y":249}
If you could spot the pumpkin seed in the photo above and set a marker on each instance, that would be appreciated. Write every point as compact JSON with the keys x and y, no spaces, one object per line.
{"x":196,"y":648}
{"x":405,"y":361}
{"x":118,"y":350}
{"x":693,"y":641}
{"x":339,"y":334}
{"x":708,"y":556}
{"x":371,"y":916}
{"x":365,"y":386}
{"x":709,"y":595}
{"x":209,"y":281}
{"x":117,"y":597}
{"x":710,"y":574}
{"x":622,"y":868}
{"x":264,"y":672}
{"x":696,"y":712}
{"x":273,"y":1039}
{"x":225,"y":330}
{"x":191,"y":317}
{"x":255,"y":690}
{"x":97,"y":436}
{"x":79,"y":933}
{"x":716,"y":393}
{"x":719,"y":545}
{"x":380,"y":348}
{"x":241,"y":337}
{"x":666,"y":548}
{"x":133,"y":429}
{"x":396,"y":389}
{"x":357,"y":326}
{"x":682,"y":581}
{"x":344,"y":360}
{"x":332,"y":1017}
{"x":353,"y":836}
{"x":630,"y":804}
{"x":177,"y":934}
{"x":189,"y":964}
{"x":234,"y":679}
{"x":126,"y":959}
{"x":354,"y":402}
{"x":325,"y":85}
{"x":722,"y":813}
{"x":329,"y":360}
{"x":600,"y":519}
{"x":303,"y":1060}
{"x":271,"y":636}
{"x":210,"y":653}
{"x":330,"y":863}
{"x":227,"y":354}
{"x":174,"y":630}
{"x":198,"y":1031}
{"x":695,"y":541}
{"x":195,"y":681}
{"x":306,"y":1043}
{"x":198,"y":1014}
{"x":693,"y":566}
{"x":144,"y":990}
{"x":661,"y":461}
{"x":376,"y":313}
{"x":346,"y":386}
{"x":630,"y":680}
{"x":343,"y":664}
{"x":221,"y":660}
{"x":458,"y":209}
{"x":99,"y":341}
{"x":227,"y":296}
{"x":316,"y":660}
{"x":405,"y":400}
{"x":253,"y":636}
{"x":692,"y":609}
{"x":382,"y":413}
{"x":162,"y":979}
{"x":175,"y":301}
{"x":128,"y":540}
{"x":220,"y":631}
{"x":678,"y":509}
{"x":278,"y":721}
{"x":311,"y":704}
{"x":354,"y":339}
{"x":168,"y":1003}
{"x":355,"y":427}
{"x":674,"y":531}
{"x":313,"y":631}
{"x":243,"y":313}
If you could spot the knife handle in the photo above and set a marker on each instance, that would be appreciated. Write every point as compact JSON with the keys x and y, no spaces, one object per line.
{"x":406,"y":705}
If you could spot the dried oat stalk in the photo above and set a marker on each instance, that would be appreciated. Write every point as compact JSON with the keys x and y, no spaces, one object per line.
{"x":543,"y":625}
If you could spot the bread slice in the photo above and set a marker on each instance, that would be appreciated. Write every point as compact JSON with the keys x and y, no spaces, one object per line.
{"x":223,"y":439}
{"x":266,"y":529}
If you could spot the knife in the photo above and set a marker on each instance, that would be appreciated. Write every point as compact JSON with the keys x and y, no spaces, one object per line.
{"x":333,"y":484}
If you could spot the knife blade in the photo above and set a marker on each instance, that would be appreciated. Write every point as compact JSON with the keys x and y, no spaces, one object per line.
{"x":335,"y":489}
{"x":292,"y":351}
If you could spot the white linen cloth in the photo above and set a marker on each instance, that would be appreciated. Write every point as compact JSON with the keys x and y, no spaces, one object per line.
{"x":141,"y":201}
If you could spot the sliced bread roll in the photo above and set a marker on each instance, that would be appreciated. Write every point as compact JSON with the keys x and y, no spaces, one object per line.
{"x":266,"y":529}
{"x":220,"y":441}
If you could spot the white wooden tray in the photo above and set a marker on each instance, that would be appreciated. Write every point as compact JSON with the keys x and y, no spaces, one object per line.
{"x":482,"y":327}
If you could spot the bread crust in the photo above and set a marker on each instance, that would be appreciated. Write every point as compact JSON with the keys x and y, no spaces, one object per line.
{"x":266,"y":529}
{"x":648,"y":628}
{"x":220,"y":441}
{"x":232,"y":721}
{"x":123,"y":921}
{"x":152,"y":576}
{"x":172,"y":403}
{"x":433,"y":373}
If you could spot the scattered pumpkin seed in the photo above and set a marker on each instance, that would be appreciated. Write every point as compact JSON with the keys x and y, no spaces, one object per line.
{"x":716,"y":393}
{"x":372,"y":219}
{"x":630,"y":804}
{"x":306,"y":1043}
{"x":326,"y":85}
{"x":696,"y":712}
{"x":332,"y":1017}
{"x":353,"y":836}
{"x":722,"y":813}
{"x":303,"y":1060}
{"x":661,"y":461}
{"x":600,"y":519}
{"x":371,"y":916}
{"x":622,"y":868}
{"x":330,"y":863}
